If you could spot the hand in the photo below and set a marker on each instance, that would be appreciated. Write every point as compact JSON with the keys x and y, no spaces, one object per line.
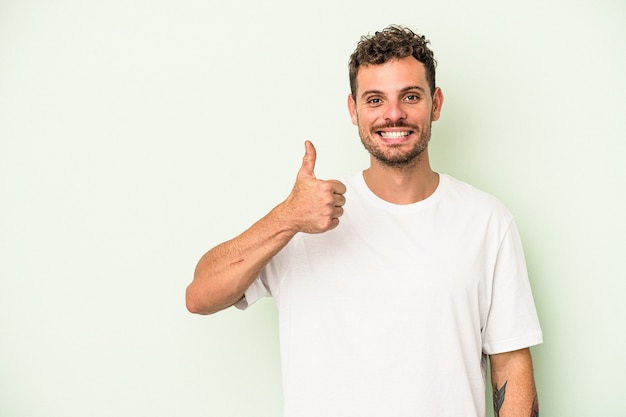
{"x":314,"y":206}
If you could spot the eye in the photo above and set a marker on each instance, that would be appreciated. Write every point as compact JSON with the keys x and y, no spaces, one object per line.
{"x":374,"y":100}
{"x":412,"y":97}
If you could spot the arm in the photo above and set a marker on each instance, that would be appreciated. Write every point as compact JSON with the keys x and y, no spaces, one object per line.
{"x":514,"y":392}
{"x":226,"y":271}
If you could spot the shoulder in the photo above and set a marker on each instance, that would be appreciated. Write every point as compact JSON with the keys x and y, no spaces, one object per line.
{"x":465,"y":196}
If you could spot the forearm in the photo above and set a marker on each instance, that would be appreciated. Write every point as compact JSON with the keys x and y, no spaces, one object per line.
{"x":514,"y":391}
{"x":224,"y":273}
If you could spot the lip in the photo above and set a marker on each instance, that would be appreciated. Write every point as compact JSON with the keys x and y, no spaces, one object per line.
{"x":395,"y":136}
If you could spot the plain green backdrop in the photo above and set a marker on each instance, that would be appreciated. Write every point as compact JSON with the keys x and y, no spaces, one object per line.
{"x":135,"y":135}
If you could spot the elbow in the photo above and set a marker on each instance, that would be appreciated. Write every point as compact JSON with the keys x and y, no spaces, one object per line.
{"x":204,"y":304}
{"x":195,"y":305}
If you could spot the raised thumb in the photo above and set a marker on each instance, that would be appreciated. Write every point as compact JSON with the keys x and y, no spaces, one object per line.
{"x":308,"y":162}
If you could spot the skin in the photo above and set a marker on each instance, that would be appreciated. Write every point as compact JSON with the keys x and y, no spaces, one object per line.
{"x":393,"y":110}
{"x":226,"y":271}
{"x":515,"y":369}
{"x":396,"y":94}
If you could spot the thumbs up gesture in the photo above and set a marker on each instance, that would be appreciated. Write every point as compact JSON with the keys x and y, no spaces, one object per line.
{"x":314,"y":206}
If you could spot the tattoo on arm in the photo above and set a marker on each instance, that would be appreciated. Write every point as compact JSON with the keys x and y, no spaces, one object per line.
{"x":498,"y":398}
{"x":535,"y":408}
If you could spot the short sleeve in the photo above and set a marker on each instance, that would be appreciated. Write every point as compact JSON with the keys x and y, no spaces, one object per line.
{"x":512,"y":321}
{"x":257,"y":290}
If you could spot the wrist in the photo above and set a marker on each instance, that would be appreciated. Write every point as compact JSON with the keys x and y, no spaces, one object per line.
{"x":284,"y":220}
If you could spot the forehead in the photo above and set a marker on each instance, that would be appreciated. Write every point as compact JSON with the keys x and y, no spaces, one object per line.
{"x":392,"y":76}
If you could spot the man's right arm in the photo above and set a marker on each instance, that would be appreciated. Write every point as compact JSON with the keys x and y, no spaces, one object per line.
{"x":225,"y":272}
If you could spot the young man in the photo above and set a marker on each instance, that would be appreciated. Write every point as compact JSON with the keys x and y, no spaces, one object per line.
{"x":394,"y":310}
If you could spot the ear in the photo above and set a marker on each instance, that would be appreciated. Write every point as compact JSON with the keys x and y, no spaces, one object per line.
{"x":437,"y":104}
{"x":352,"y":110}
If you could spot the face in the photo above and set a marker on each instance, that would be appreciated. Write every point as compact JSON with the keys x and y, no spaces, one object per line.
{"x":394,"y":109}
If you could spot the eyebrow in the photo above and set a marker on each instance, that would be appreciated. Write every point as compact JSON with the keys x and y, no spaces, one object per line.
{"x":404,"y":90}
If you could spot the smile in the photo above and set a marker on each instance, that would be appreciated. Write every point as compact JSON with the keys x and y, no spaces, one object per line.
{"x":395,"y":135}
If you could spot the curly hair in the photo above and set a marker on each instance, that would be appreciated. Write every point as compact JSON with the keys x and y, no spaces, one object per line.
{"x":393,"y":42}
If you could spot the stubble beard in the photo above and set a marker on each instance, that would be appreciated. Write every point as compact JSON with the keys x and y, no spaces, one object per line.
{"x":392,"y":156}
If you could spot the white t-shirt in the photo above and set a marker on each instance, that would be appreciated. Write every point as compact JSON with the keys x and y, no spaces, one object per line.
{"x":393,"y":312}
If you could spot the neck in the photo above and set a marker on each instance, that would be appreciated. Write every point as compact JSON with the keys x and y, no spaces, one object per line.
{"x":402,"y":185}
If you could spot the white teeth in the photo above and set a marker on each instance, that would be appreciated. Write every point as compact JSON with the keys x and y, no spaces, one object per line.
{"x":393,"y":135}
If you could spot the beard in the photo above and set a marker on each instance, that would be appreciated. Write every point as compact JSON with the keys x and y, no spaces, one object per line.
{"x":392,"y":155}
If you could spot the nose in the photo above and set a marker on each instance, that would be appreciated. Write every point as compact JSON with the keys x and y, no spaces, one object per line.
{"x":394,"y":111}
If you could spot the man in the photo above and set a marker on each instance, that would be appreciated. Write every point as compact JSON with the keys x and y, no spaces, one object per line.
{"x":394,"y":310}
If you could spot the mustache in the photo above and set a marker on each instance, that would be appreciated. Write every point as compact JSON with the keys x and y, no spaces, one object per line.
{"x":392,"y":125}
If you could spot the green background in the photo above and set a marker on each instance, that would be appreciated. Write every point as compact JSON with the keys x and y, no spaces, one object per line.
{"x":135,"y":135}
